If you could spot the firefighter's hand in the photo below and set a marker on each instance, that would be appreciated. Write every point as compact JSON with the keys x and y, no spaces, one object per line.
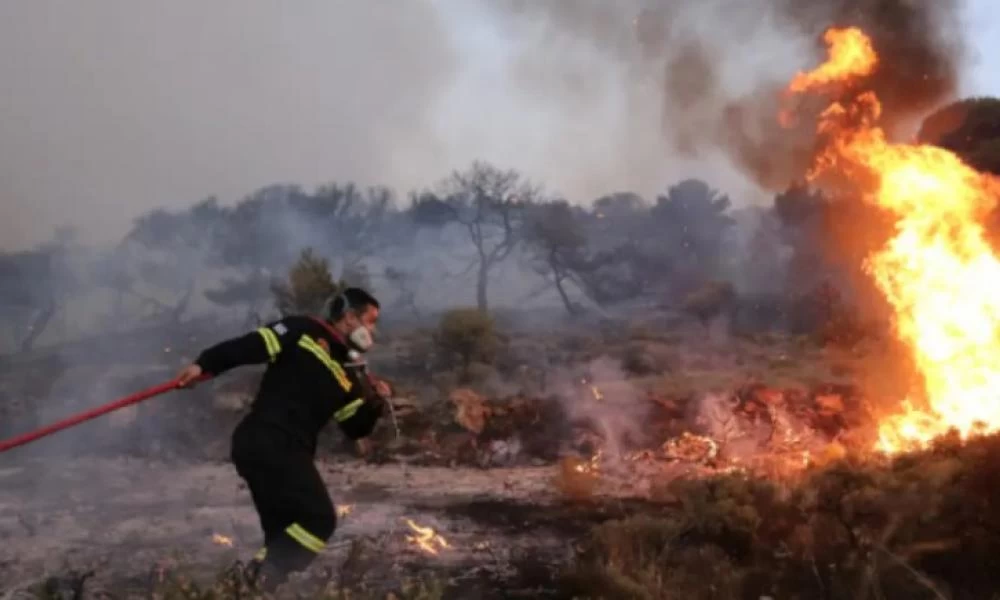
{"x":189,"y":376}
{"x":382,"y":388}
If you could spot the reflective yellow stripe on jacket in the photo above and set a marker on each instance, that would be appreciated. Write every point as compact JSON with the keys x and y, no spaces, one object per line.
{"x":308,"y":540}
{"x":310,"y":344}
{"x":348,"y":411}
{"x":271,"y":342}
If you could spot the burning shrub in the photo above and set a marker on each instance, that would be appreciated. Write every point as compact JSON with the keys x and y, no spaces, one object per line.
{"x":468,"y":335}
{"x":577,"y":479}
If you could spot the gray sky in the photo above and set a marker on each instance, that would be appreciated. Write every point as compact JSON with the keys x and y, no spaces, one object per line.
{"x":113,"y":107}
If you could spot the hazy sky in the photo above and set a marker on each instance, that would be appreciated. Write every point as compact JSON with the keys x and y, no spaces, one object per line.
{"x":112,"y":107}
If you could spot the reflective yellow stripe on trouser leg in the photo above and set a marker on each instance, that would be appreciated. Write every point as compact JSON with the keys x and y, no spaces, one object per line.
{"x":306,"y":539}
{"x":261,"y":554}
{"x":271,"y":342}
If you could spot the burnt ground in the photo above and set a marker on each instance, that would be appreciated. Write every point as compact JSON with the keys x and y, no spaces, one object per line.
{"x":152,"y":490}
{"x":508,"y":530}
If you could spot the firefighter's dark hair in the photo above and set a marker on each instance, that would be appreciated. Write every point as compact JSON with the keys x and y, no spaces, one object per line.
{"x":352,"y":298}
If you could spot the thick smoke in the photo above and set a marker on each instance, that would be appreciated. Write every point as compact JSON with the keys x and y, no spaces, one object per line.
{"x":112,"y":112}
{"x":115,"y":108}
{"x":721,"y":65}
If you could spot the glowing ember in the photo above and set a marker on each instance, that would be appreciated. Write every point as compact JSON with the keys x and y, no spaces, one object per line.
{"x":691,"y":448}
{"x":222,"y":540}
{"x":592,"y":466}
{"x":426,"y":538}
{"x":938,"y":272}
{"x":597,"y":393}
{"x":344,"y":509}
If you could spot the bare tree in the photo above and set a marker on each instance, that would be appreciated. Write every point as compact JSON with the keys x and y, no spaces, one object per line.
{"x":345,"y":221}
{"x":35,"y":285}
{"x":488,"y":203}
{"x":172,"y":247}
{"x":557,"y":242}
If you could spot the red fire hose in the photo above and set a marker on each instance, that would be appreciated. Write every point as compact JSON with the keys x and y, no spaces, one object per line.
{"x":31,"y":436}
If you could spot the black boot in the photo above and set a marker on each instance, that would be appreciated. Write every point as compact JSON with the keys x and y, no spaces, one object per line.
{"x":269,"y":576}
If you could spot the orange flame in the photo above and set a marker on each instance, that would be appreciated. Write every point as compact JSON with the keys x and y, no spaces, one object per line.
{"x":938,"y":271}
{"x":426,"y":539}
{"x":851,"y":55}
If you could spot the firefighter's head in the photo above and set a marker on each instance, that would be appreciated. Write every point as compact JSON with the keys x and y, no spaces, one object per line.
{"x":354,"y":313}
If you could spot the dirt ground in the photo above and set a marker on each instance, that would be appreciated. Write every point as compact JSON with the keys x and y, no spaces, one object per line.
{"x":152,"y":498}
{"x":124,"y":518}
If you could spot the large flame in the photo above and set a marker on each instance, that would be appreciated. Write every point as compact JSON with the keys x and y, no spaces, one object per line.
{"x":937,"y":271}
{"x":851,"y":55}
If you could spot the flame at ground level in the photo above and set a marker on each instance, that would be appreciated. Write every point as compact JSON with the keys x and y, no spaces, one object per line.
{"x":426,"y":538}
{"x":938,"y":271}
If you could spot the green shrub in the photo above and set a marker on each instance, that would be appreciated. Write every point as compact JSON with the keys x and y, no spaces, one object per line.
{"x":310,"y":283}
{"x":467,"y":335}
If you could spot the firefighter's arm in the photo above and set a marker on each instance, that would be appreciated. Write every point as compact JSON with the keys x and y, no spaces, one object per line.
{"x":362,"y":406}
{"x":358,"y":417}
{"x":253,"y":348}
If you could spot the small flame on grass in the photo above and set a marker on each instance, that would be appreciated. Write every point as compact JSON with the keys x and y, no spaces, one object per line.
{"x":426,"y":538}
{"x":592,"y":466}
{"x":222,"y":540}
{"x":344,"y":509}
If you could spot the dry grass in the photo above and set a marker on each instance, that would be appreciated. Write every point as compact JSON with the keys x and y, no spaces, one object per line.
{"x":923,"y":526}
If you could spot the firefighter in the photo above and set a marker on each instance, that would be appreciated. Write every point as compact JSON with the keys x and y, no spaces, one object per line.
{"x":314,"y":374}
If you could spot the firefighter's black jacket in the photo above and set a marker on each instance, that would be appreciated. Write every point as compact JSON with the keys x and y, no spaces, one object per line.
{"x":305,"y":384}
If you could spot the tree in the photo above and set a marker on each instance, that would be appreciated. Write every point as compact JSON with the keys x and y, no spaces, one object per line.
{"x":488,"y":204}
{"x":620,"y":205}
{"x":970,"y":128}
{"x":110,"y":270}
{"x":691,"y":220}
{"x":253,"y":244}
{"x":555,"y":236}
{"x":35,"y":285}
{"x":405,"y":283}
{"x":635,"y":249}
{"x":171,"y":248}
{"x":249,"y":291}
{"x":802,"y":215}
{"x":710,"y":301}
{"x":310,"y":284}
{"x":344,"y":221}
{"x":266,"y":231}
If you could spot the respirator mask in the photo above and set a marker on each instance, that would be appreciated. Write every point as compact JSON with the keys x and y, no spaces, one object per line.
{"x":361,"y":338}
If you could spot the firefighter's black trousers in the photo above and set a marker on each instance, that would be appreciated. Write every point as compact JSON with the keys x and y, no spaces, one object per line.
{"x":295,"y":510}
